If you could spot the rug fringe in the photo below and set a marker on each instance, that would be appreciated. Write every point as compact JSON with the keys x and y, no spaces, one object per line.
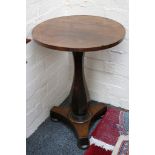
{"x":101,"y":144}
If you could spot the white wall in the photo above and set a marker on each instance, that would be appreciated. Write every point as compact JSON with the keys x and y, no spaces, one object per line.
{"x":47,"y":70}
{"x":106,"y":71}
{"x":49,"y":73}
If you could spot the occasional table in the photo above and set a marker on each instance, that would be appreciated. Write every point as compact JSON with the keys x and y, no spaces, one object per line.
{"x":79,"y":34}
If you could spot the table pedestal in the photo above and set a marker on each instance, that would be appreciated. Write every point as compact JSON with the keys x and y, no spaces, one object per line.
{"x":81,"y":112}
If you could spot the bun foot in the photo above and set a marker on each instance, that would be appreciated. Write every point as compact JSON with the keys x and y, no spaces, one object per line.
{"x":83,"y":143}
{"x":54,"y":119}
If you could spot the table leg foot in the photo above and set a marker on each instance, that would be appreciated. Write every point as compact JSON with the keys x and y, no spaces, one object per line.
{"x":54,"y":119}
{"x":83,"y":143}
{"x":59,"y":113}
{"x":81,"y":128}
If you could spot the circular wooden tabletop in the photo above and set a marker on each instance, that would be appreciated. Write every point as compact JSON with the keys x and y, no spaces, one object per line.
{"x":79,"y":33}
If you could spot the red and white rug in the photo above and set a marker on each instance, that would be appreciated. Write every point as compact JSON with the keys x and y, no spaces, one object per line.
{"x":122,"y":146}
{"x":105,"y":136}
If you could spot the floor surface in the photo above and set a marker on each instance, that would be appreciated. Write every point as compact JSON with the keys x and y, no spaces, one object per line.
{"x":53,"y":138}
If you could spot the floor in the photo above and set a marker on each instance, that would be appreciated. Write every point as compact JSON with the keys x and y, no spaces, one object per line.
{"x":53,"y":138}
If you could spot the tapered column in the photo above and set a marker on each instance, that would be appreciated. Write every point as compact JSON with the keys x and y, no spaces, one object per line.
{"x":79,"y":104}
{"x":80,"y":114}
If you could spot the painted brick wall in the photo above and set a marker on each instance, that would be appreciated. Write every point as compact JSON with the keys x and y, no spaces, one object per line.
{"x":49,"y":73}
{"x":46,"y":85}
{"x":47,"y":70}
{"x":106,"y":72}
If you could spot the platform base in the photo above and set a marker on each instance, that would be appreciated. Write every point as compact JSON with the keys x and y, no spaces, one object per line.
{"x":81,"y":128}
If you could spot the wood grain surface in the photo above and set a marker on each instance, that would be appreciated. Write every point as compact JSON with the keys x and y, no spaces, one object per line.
{"x":79,"y":33}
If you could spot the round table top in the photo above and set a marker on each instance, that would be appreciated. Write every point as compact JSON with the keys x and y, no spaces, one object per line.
{"x":79,"y":33}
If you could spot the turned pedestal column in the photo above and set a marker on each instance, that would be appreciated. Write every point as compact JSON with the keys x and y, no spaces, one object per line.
{"x":79,"y":34}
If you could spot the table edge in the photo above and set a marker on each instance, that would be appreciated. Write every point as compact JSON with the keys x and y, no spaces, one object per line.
{"x":91,"y":49}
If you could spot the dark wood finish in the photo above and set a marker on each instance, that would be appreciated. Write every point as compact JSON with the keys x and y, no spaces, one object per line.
{"x":81,"y":129}
{"x":79,"y":33}
{"x":78,"y":93}
{"x":27,"y":40}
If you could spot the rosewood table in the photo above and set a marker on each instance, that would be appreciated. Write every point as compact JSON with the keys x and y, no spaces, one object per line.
{"x":79,"y":34}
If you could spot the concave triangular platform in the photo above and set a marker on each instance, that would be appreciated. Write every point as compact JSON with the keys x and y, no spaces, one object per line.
{"x":95,"y":110}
